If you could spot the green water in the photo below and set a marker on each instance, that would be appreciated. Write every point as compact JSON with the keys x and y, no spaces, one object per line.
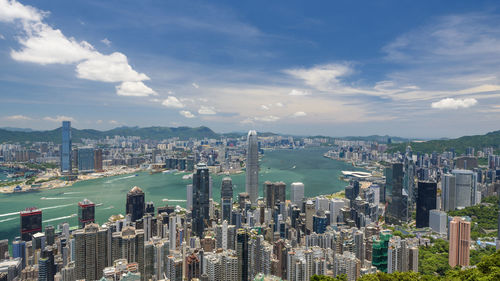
{"x":319,"y":175}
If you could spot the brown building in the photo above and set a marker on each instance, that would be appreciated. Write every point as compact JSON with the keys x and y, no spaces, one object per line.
{"x":98,"y":160}
{"x":459,"y":242}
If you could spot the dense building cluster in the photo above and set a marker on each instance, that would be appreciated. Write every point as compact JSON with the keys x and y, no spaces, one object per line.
{"x":247,"y":237}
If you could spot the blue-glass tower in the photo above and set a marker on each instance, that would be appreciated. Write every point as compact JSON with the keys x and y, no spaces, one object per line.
{"x":66,"y":148}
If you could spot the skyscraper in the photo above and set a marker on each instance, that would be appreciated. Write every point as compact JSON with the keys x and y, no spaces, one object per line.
{"x":135,"y":203}
{"x":31,"y":222}
{"x":297,"y":193}
{"x":459,"y":242}
{"x":98,"y":160}
{"x":252,"y":167}
{"x":242,"y":252}
{"x":275,"y":192}
{"x":66,"y":148}
{"x":466,"y":182}
{"x":86,"y":213}
{"x":201,"y":199}
{"x":448,"y":193}
{"x":397,"y":209}
{"x":85,"y":159}
{"x":426,"y":201}
{"x":91,"y":254}
{"x":226,"y":195}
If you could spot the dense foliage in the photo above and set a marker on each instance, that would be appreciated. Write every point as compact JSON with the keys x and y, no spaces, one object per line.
{"x":433,"y":259}
{"x":484,"y":217}
{"x":460,"y":144}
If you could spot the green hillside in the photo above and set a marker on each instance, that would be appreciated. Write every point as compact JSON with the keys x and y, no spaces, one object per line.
{"x":460,"y":144}
{"x":154,"y":133}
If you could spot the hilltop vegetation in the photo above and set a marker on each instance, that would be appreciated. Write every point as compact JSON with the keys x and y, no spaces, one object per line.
{"x":491,"y":139}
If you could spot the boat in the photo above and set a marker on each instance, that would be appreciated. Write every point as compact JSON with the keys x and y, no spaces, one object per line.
{"x":170,"y":171}
{"x":187,"y":177}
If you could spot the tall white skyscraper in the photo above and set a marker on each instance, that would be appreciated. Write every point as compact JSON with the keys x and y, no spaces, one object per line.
{"x":252,"y":167}
{"x":297,"y":193}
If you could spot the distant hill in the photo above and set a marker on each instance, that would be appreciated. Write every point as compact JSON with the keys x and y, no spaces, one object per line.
{"x":154,"y":133}
{"x":377,"y":138}
{"x":491,"y":139}
{"x":17,"y":129}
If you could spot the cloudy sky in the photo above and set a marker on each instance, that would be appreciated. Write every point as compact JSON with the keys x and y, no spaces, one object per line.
{"x":406,"y":68}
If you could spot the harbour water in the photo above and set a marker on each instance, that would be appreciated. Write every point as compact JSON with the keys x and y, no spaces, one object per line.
{"x":319,"y":175}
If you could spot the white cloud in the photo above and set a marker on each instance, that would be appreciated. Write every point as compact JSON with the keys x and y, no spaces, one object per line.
{"x":299,"y":114}
{"x":196,"y":85}
{"x":450,"y":103}
{"x":99,"y":121}
{"x":59,"y":118}
{"x":134,"y":89}
{"x":43,"y":44}
{"x":113,"y":122}
{"x":2,"y":37}
{"x":11,"y":10}
{"x":109,"y":68}
{"x":17,"y":117}
{"x":207,"y":110}
{"x":106,"y":42}
{"x":322,"y":77}
{"x":270,"y":118}
{"x":264,"y":107}
{"x":172,"y":102}
{"x":279,"y":104}
{"x":186,"y":114}
{"x":294,"y":92}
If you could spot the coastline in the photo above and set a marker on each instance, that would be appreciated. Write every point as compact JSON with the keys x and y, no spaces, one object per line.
{"x":46,"y":183}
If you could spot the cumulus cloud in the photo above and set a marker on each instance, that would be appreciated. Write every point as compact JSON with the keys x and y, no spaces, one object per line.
{"x":2,"y":37}
{"x":11,"y":10}
{"x":172,"y":102}
{"x":134,"y":89}
{"x":264,"y":107}
{"x":42,"y":44}
{"x":207,"y":110}
{"x":294,"y":92}
{"x":196,"y":85}
{"x":109,"y":68}
{"x":106,"y":42}
{"x":270,"y":118}
{"x":17,"y":117}
{"x":186,"y":114}
{"x":450,"y":103}
{"x":279,"y":104}
{"x":322,"y":77}
{"x":299,"y":114}
{"x":59,"y":118}
{"x":113,"y":122}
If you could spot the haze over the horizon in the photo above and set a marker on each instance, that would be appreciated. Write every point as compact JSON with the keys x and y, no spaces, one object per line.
{"x":411,"y":69}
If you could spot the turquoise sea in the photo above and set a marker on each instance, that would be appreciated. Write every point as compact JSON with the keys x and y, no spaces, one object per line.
{"x":319,"y":175}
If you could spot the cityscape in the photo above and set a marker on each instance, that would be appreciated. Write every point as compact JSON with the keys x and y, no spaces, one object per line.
{"x":249,"y":141}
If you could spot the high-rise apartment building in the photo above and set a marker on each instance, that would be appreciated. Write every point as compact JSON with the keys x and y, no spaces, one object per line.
{"x":65,"y":150}
{"x":252,"y":167}
{"x":135,"y":203}
{"x":201,"y":200}
{"x":459,"y":250}
{"x":448,"y":193}
{"x":91,"y":251}
{"x":426,"y":201}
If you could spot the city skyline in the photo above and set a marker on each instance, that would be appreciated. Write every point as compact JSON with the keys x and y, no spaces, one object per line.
{"x":337,"y":68}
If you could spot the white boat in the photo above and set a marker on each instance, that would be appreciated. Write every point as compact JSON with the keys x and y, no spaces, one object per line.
{"x":187,"y":177}
{"x":170,"y":171}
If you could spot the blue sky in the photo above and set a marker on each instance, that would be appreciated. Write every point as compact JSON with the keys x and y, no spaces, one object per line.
{"x":406,"y":68}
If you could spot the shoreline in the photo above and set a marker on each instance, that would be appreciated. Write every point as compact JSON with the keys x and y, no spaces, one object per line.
{"x":48,"y":184}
